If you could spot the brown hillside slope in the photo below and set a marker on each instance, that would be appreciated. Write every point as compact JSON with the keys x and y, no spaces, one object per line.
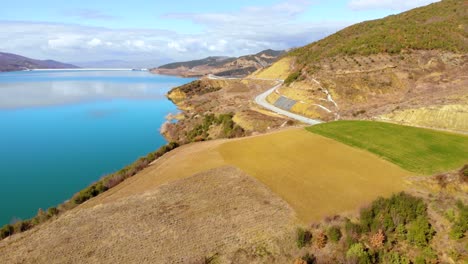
{"x":221,"y":213}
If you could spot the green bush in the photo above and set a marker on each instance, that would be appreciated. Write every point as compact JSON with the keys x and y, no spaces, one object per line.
{"x":400,"y":232}
{"x":303,"y":237}
{"x":357,"y":253}
{"x":395,"y":258}
{"x":52,"y":211}
{"x":387,"y":214}
{"x":229,"y":127}
{"x":353,"y":232}
{"x":420,"y":232}
{"x":7,"y":230}
{"x":334,"y":233}
{"x":460,"y":224}
{"x":292,"y":77}
{"x":428,"y":255}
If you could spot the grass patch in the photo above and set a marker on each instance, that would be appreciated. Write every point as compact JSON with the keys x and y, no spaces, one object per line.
{"x":415,"y":149}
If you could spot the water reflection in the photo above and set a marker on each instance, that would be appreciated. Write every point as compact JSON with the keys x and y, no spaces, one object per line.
{"x":36,"y":89}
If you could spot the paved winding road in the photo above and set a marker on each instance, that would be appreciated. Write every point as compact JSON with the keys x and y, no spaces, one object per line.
{"x":261,"y":100}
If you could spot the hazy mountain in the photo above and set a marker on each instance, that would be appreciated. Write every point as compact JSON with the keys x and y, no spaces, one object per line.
{"x":221,"y":66}
{"x":120,"y":64}
{"x":13,"y":62}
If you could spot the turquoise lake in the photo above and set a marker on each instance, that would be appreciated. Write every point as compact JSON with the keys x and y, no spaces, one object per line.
{"x":63,"y":130}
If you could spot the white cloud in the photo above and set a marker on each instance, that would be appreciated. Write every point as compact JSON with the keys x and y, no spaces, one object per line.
{"x":388,"y":4}
{"x":245,"y":31}
{"x":95,"y":42}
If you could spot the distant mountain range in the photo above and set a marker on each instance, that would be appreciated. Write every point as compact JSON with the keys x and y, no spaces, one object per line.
{"x":13,"y":62}
{"x":120,"y":63}
{"x":221,"y":66}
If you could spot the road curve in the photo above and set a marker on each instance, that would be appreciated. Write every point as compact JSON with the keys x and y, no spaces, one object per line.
{"x":261,"y":100}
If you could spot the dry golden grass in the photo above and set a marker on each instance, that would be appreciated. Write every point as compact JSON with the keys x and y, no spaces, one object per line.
{"x":317,"y":176}
{"x":279,"y":70}
{"x":450,"y":117}
{"x":306,"y":109}
{"x":272,"y":98}
{"x":221,"y":212}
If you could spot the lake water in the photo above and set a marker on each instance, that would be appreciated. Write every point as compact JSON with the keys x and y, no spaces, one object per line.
{"x":63,"y":130}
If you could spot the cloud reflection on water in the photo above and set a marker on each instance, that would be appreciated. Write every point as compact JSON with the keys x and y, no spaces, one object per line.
{"x":15,"y":95}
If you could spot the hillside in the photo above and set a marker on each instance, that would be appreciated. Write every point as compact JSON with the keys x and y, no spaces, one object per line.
{"x":221,"y":66}
{"x":439,"y":26}
{"x":241,"y":201}
{"x":13,"y":62}
{"x":407,"y":68}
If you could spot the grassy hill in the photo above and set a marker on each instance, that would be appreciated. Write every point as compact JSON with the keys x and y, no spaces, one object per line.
{"x":415,"y":149}
{"x":441,"y":25}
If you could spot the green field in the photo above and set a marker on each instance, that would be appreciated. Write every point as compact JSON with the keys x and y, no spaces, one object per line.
{"x":415,"y":149}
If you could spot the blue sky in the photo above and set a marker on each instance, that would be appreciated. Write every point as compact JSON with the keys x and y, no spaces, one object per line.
{"x":135,"y":30}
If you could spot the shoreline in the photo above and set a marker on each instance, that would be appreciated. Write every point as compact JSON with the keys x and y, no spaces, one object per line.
{"x":97,"y":185}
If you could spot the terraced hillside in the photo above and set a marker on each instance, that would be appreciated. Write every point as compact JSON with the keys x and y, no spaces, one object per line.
{"x":384,"y":69}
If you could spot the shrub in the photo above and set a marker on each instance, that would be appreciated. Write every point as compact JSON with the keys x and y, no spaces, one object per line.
{"x":464,"y":173}
{"x":460,"y":225}
{"x":353,"y":232}
{"x":400,"y":232}
{"x":303,"y":237}
{"x":6,"y":231}
{"x":334,"y":233}
{"x":229,"y":127}
{"x":321,"y":240}
{"x":22,"y":226}
{"x":387,"y":214}
{"x":377,"y":240}
{"x":309,"y":258}
{"x":52,"y":211}
{"x":395,"y":258}
{"x":429,"y":255}
{"x":358,"y":254}
{"x":420,"y":232}
{"x":292,"y":77}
